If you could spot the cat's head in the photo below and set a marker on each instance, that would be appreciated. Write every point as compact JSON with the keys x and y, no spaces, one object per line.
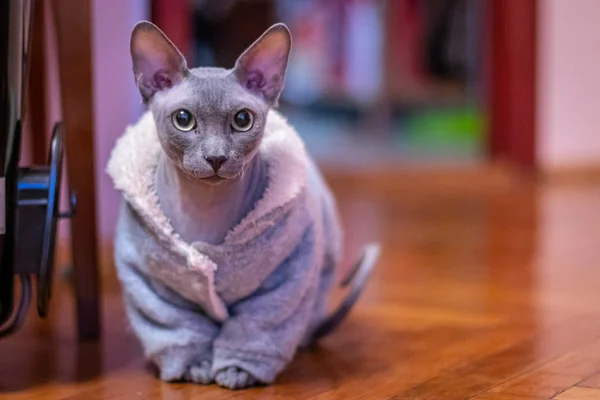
{"x":210,"y":121}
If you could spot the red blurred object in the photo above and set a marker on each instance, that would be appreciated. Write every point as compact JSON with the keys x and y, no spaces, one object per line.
{"x":174,"y":18}
{"x":511,"y":58}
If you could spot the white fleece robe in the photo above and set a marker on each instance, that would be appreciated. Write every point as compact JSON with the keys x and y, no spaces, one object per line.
{"x":248,"y":302}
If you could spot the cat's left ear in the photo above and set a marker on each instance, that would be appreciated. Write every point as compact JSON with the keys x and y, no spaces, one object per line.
{"x":261,"y":68}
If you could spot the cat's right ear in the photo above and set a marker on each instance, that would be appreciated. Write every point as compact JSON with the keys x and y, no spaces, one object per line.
{"x":157,"y":64}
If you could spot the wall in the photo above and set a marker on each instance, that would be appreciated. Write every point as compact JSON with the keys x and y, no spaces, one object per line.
{"x":117,"y":102}
{"x":568,"y":119}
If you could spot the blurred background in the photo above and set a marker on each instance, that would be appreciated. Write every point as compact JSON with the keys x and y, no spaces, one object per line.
{"x":370,"y":82}
{"x":465,"y":90}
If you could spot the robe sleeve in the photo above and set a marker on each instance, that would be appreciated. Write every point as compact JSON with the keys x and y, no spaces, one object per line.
{"x":265,"y":329}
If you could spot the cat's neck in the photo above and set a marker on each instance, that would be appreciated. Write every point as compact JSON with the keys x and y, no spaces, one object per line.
{"x":203,"y":212}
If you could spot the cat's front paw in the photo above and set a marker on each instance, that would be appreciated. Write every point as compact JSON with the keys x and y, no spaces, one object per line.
{"x":235,"y":378}
{"x":200,"y":373}
{"x":185,"y":363}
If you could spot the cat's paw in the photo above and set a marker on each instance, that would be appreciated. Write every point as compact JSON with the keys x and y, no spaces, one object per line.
{"x":200,"y":373}
{"x":235,"y":378}
{"x":183,"y":364}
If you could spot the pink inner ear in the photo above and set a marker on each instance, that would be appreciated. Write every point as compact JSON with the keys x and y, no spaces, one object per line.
{"x":261,"y":68}
{"x":255,"y":80}
{"x":267,"y":64}
{"x":162,"y":80}
{"x":160,"y":67}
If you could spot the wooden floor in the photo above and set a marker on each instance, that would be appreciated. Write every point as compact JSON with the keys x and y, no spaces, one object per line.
{"x":483,"y":292}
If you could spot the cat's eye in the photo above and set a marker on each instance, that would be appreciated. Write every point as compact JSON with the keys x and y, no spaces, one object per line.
{"x":184,"y":120}
{"x":242,"y":120}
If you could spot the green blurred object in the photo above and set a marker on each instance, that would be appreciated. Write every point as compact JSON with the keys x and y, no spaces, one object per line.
{"x":456,"y":127}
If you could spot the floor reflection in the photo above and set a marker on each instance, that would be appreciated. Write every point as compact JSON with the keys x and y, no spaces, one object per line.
{"x":476,"y":286}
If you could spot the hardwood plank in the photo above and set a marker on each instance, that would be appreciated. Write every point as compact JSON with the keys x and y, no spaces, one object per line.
{"x":592,"y":382}
{"x":501,"y":396}
{"x":540,"y":385}
{"x":552,"y":377}
{"x":578,"y":393}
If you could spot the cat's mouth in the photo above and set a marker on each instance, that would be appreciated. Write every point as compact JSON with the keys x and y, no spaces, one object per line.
{"x":210,"y":179}
{"x":213,"y":180}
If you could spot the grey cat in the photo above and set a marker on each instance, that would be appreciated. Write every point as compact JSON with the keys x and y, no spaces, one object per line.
{"x":228,"y":237}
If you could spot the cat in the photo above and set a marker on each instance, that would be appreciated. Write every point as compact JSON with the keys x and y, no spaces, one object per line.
{"x":228,"y":236}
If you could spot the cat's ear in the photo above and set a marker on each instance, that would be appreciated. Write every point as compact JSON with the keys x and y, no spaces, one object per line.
{"x":261,"y":68}
{"x":157,"y":64}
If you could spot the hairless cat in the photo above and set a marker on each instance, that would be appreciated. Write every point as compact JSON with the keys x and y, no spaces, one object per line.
{"x":228,"y":237}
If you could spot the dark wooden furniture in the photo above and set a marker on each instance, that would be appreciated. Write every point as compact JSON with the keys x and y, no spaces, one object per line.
{"x":73,"y":33}
{"x":72,"y":23}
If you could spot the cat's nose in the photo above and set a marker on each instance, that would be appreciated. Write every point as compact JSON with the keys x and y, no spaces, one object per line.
{"x":216,"y":162}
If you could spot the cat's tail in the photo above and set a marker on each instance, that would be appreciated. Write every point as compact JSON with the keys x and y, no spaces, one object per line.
{"x":355,"y":281}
